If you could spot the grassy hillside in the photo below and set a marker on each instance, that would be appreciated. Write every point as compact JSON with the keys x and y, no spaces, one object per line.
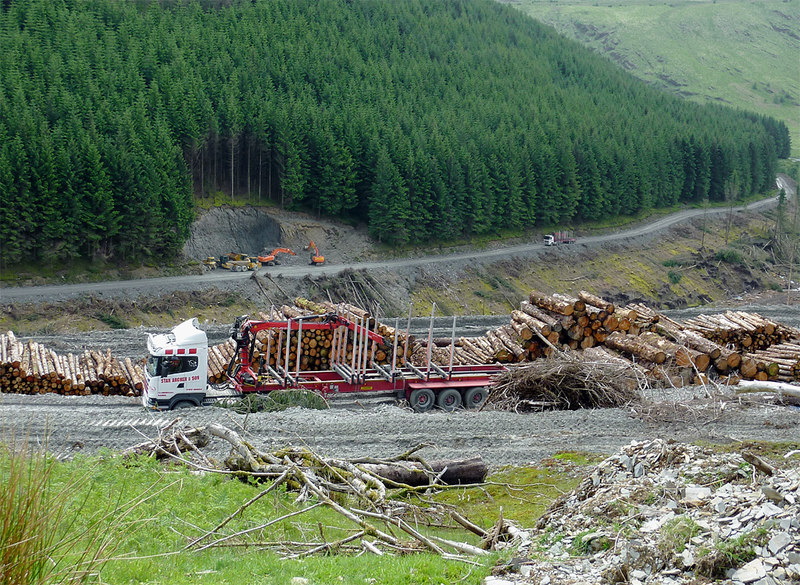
{"x":735,"y":52}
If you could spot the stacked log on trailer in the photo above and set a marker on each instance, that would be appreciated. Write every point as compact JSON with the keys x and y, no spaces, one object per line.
{"x":315,"y":346}
{"x":219,"y":356}
{"x":31,"y":368}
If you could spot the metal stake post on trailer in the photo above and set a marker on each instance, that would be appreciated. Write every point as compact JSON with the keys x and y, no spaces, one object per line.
{"x":353,"y":355}
{"x":394,"y":348}
{"x":364,"y":347}
{"x":452,"y":349}
{"x":299,"y":348}
{"x":430,"y":343}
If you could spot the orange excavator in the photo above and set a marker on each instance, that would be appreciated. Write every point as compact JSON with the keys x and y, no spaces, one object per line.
{"x":316,"y":257}
{"x":270,"y":259}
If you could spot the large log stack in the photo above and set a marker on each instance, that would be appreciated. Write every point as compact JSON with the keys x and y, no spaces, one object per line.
{"x":729,"y":347}
{"x":31,"y":368}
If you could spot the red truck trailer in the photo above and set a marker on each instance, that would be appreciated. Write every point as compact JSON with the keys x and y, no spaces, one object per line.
{"x":177,"y":370}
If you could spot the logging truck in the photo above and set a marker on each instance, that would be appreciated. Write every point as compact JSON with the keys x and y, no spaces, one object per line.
{"x":557,"y":238}
{"x":176,"y":371}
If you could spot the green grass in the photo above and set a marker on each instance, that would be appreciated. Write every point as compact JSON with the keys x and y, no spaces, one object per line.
{"x":733,"y":52}
{"x":173,"y":505}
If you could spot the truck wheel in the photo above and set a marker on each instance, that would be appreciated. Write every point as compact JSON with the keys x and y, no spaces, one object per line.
{"x":421,"y":400}
{"x":448,"y":399}
{"x":475,"y":397}
{"x":183,"y":404}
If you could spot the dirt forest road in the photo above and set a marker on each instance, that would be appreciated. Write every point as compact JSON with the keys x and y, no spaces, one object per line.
{"x":69,"y":425}
{"x":132,"y":288}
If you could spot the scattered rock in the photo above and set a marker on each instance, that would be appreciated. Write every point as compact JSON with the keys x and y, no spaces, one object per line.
{"x":664,"y":513}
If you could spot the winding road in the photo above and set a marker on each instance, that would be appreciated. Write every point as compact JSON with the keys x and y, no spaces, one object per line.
{"x":164,"y":284}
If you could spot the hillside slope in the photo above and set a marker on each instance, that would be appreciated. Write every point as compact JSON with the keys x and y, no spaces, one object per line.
{"x":735,"y":52}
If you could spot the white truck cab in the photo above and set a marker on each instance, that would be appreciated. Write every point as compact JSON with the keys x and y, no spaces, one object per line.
{"x":549,"y":240}
{"x":176,"y":371}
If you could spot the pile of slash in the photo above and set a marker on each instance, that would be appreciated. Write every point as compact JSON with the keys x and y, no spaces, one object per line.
{"x":668,"y":514}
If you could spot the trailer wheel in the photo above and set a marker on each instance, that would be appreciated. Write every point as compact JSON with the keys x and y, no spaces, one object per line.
{"x":421,"y":400}
{"x":475,"y":397}
{"x":448,"y":399}
{"x":183,"y":404}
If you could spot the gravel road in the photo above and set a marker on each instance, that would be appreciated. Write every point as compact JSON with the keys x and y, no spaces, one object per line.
{"x":69,"y":425}
{"x":224,"y":279}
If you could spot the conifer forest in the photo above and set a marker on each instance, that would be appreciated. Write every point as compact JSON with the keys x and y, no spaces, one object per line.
{"x":422,"y":119}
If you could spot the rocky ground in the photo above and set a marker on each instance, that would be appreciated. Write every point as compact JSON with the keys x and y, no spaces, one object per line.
{"x":669,"y":513}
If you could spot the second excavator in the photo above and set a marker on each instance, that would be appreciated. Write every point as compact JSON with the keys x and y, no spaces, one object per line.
{"x":316,"y":257}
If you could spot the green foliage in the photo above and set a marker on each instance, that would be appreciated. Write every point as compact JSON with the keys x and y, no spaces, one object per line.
{"x":732,"y":553}
{"x":45,"y":534}
{"x":173,"y":504}
{"x":587,"y":541}
{"x":522,"y":493}
{"x":113,"y":321}
{"x":579,"y":457}
{"x":674,"y":276}
{"x":730,"y":256}
{"x":676,"y":534}
{"x":276,"y":401}
{"x":424,"y":119}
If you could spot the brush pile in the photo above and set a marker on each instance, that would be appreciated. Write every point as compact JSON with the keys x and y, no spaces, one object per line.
{"x":374,"y":499}
{"x":567,"y":383}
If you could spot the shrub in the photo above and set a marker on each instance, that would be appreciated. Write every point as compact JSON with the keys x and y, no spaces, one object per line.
{"x":277,"y":400}
{"x":730,"y":256}
{"x":674,"y":277}
{"x":676,"y":534}
{"x":728,"y":554}
{"x":112,"y":321}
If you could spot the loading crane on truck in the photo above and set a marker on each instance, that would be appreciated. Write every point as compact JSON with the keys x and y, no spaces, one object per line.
{"x":176,"y":372}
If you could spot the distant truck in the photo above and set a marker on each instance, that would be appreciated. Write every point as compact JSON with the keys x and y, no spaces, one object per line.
{"x":557,"y":238}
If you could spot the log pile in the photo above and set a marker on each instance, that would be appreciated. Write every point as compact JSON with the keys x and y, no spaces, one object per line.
{"x":31,"y":368}
{"x":742,"y":331}
{"x":731,"y":346}
{"x":665,"y":350}
{"x":219,"y":356}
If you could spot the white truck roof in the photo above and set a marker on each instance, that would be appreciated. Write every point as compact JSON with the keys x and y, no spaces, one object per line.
{"x":186,"y":335}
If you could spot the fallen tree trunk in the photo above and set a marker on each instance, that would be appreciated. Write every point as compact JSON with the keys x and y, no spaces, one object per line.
{"x":473,"y":470}
{"x":779,"y":388}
